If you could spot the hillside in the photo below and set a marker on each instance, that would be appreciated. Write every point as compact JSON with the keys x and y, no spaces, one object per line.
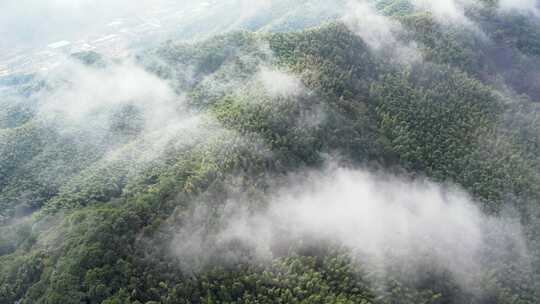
{"x":299,"y":166}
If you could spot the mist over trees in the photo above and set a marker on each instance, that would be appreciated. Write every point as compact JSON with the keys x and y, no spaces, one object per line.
{"x":383,"y":151}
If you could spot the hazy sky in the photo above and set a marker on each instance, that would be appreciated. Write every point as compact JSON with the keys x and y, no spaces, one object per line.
{"x":24,"y":22}
{"x":37,"y":22}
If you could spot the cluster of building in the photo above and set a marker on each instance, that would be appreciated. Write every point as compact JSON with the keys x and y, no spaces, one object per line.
{"x":114,"y":40}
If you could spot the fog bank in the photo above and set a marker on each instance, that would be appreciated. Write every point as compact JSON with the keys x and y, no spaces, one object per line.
{"x":385,"y":222}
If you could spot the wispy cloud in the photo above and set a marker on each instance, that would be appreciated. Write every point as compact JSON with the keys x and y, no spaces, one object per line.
{"x":278,"y":83}
{"x":381,"y":33}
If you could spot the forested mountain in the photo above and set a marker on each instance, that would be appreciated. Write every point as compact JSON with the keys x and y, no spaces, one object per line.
{"x":390,"y":155}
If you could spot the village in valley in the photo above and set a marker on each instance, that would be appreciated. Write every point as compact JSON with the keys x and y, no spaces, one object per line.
{"x":115,"y":39}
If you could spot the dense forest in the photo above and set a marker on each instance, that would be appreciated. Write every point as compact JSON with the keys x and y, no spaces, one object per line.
{"x":396,"y":161}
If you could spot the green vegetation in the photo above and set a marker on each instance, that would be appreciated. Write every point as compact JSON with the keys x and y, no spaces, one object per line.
{"x":81,"y":226}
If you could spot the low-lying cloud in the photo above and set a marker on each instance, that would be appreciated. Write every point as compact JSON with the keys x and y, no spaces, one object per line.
{"x":116,"y":105}
{"x":385,"y":222}
{"x":278,"y":83}
{"x":381,"y":33}
{"x":92,"y":94}
{"x":446,"y":11}
{"x":375,"y":29}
